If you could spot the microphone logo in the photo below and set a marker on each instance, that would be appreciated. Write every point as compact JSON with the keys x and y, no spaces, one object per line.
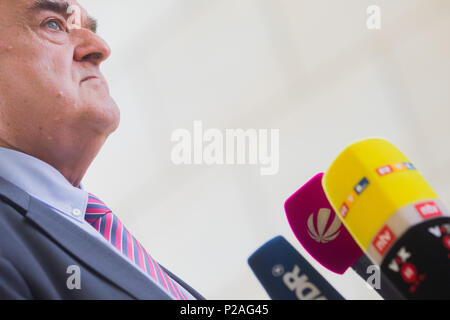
{"x":320,"y":233}
{"x":428,"y":209}
{"x":300,"y":284}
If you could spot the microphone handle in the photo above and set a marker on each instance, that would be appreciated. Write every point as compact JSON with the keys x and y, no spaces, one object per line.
{"x":386,"y":289}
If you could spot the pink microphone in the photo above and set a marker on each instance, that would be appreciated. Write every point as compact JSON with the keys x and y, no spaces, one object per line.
{"x":321,"y":232}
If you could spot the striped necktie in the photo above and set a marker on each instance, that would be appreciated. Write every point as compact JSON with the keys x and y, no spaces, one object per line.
{"x":104,"y":221}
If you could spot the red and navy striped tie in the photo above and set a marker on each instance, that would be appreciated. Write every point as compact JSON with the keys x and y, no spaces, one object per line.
{"x":110,"y":227}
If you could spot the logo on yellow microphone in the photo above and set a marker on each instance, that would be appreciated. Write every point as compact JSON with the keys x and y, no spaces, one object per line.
{"x":353,"y":196}
{"x":391,"y":168}
{"x":383,"y":240}
{"x":428,"y":209}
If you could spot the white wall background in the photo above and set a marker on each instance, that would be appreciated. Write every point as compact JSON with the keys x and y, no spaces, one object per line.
{"x":310,"y":68}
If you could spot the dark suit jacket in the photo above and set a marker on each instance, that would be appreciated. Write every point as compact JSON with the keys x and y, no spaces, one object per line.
{"x":37,"y":246}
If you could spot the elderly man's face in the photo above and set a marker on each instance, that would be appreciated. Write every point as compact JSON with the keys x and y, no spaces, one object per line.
{"x":50,"y":81}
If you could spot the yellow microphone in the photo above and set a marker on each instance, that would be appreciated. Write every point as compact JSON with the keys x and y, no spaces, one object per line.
{"x":394,"y":215}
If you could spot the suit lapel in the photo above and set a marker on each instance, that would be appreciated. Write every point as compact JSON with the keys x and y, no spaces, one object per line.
{"x":193,"y":292}
{"x":86,"y":248}
{"x":93,"y":253}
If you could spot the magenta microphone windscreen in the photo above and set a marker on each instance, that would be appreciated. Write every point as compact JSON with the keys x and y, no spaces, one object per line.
{"x":319,"y":229}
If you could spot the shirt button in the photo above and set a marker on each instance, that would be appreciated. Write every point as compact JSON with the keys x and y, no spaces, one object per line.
{"x":76,"y":212}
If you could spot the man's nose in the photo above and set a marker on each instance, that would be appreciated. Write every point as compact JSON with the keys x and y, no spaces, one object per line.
{"x":91,"y":48}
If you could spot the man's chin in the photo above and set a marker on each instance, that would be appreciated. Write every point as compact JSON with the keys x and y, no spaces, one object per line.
{"x":112,"y":116}
{"x":105,"y":117}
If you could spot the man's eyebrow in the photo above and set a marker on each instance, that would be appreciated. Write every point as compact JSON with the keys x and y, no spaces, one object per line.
{"x":60,"y":8}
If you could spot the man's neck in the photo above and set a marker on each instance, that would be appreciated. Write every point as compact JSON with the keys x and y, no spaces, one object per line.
{"x":72,"y":164}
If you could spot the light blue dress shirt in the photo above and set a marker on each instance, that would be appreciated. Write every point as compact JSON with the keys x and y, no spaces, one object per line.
{"x":48,"y":185}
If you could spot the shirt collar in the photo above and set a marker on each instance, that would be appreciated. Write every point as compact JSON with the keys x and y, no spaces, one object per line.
{"x":42,"y":181}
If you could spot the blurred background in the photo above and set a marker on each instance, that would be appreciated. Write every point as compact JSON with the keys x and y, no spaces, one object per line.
{"x":310,"y":68}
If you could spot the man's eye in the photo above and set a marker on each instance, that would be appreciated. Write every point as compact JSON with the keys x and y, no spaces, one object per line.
{"x":53,"y":25}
